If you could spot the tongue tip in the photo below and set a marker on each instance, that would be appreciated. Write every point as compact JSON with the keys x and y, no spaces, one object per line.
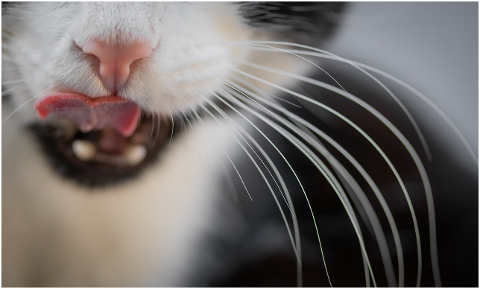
{"x":42,"y":111}
{"x":42,"y":114}
{"x":127,"y":126}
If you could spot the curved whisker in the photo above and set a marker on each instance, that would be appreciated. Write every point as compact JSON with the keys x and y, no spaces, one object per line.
{"x":18,"y":108}
{"x":387,"y":160}
{"x":5,"y":92}
{"x":266,"y":181}
{"x":14,"y":71}
{"x":288,"y":201}
{"x":362,"y":67}
{"x":326,"y":54}
{"x":403,"y":140}
{"x":14,"y":81}
{"x":365,"y":203}
{"x":322,"y":168}
{"x":173,"y":125}
{"x":235,"y":128}
{"x":233,"y":165}
{"x":191,"y":127}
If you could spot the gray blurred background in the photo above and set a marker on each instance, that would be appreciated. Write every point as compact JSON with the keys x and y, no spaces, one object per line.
{"x":431,"y":46}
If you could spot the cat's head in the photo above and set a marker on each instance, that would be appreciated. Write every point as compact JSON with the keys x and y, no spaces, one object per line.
{"x":103,"y":66}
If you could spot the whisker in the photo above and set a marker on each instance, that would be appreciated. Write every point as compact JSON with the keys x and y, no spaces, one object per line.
{"x":289,"y":200}
{"x":14,"y":81}
{"x":330,"y":177}
{"x":191,"y":127}
{"x":321,"y":168}
{"x":173,"y":125}
{"x":153,"y":125}
{"x":246,"y":80}
{"x":292,"y":53}
{"x":157,"y":132}
{"x":13,"y":88}
{"x":326,"y":54}
{"x":297,"y":237}
{"x":286,"y":193}
{"x":397,"y":133}
{"x":15,"y":71}
{"x":18,"y":108}
{"x":358,"y":65}
{"x":224,"y":115}
{"x":364,"y":201}
{"x":324,"y":170}
{"x":205,"y":132}
{"x":241,"y":179}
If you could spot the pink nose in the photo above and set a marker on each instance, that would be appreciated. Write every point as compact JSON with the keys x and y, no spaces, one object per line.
{"x":115,"y":61}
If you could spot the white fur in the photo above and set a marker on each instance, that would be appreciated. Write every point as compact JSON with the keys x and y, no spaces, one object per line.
{"x":187,"y":37}
{"x":142,"y":232}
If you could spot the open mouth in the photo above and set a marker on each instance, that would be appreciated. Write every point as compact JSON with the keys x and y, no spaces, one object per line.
{"x":108,"y":140}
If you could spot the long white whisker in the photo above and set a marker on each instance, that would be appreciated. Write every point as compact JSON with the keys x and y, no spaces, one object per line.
{"x":173,"y":126}
{"x":15,"y":81}
{"x":18,"y":108}
{"x":222,"y":113}
{"x":429,"y":196}
{"x":289,"y":200}
{"x":296,"y":246}
{"x":153,"y":125}
{"x":322,"y":168}
{"x":193,"y":111}
{"x":338,"y":58}
{"x":365,"y":203}
{"x":289,"y":52}
{"x":225,"y":170}
{"x":191,"y":127}
{"x":246,"y":80}
{"x":267,"y":183}
{"x":326,"y":86}
{"x":157,"y":131}
{"x":394,"y":130}
{"x":328,"y":55}
{"x":231,"y":162}
{"x":324,"y":171}
{"x":14,"y":88}
{"x":330,"y":178}
{"x":234,"y":127}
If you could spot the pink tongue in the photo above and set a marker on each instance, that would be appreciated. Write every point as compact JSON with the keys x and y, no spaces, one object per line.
{"x":89,"y":114}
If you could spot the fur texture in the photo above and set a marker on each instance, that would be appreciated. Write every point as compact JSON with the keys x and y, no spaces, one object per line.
{"x":214,"y":94}
{"x":142,"y":232}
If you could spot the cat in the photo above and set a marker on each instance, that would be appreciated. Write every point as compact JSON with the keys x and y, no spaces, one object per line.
{"x":121,"y":120}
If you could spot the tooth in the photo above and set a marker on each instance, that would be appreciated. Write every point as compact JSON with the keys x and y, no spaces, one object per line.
{"x":84,"y":150}
{"x":135,"y":154}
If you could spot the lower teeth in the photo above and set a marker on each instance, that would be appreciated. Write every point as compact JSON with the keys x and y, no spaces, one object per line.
{"x":135,"y":154}
{"x":84,"y":150}
{"x":87,"y":151}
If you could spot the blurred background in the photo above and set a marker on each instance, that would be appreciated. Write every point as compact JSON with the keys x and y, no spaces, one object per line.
{"x":430,"y":46}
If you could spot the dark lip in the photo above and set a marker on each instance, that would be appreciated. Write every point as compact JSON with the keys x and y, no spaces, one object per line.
{"x":58,"y":151}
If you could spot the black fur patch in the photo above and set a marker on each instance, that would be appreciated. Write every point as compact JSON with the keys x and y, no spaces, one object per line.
{"x":306,"y":22}
{"x":9,"y":5}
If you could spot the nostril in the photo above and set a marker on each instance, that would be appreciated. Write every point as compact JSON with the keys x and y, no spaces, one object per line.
{"x":115,"y":60}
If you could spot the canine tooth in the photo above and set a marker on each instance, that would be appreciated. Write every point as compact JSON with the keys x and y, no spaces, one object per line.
{"x":84,"y":150}
{"x":135,"y":154}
